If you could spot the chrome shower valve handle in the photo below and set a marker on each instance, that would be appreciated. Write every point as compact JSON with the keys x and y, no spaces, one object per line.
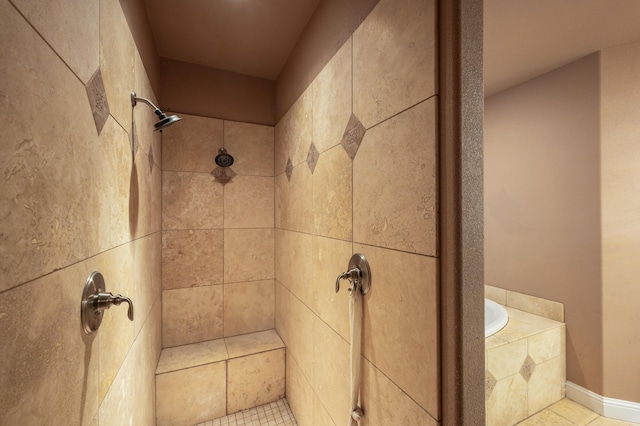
{"x":103,"y":300}
{"x":358,"y":274}
{"x":352,"y":275}
{"x":96,"y":300}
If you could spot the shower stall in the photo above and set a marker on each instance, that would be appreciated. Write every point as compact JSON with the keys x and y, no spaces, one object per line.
{"x":227,"y":231}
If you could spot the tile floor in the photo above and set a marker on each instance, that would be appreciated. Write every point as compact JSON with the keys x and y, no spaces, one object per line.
{"x":275,"y":413}
{"x":568,"y":413}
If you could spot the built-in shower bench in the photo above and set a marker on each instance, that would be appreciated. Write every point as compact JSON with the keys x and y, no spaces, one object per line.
{"x":207,"y":380}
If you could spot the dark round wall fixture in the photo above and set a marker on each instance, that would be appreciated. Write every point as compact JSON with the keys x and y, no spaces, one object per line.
{"x":223,"y":159}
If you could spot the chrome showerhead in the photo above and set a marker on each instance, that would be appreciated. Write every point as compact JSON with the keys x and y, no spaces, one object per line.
{"x":163,"y":120}
{"x":223,"y":159}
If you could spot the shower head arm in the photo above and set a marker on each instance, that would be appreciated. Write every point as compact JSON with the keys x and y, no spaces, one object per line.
{"x":134,"y":101}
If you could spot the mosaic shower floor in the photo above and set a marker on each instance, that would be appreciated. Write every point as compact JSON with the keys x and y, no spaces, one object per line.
{"x":276,"y":413}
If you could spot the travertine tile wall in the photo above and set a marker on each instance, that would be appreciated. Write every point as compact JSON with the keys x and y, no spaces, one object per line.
{"x":218,"y":239}
{"x":336,"y":195}
{"x":81,"y":192}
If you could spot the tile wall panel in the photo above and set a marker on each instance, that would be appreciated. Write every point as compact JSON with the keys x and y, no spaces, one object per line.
{"x":394,"y":59}
{"x":75,"y":201}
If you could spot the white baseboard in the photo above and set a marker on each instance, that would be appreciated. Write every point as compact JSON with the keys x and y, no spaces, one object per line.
{"x":618,"y":409}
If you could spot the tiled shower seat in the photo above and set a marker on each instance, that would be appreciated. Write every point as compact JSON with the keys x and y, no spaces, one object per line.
{"x":207,"y":380}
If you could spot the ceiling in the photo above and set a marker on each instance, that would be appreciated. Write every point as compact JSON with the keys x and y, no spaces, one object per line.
{"x":526,"y":38}
{"x":252,"y":37}
{"x":522,"y":38}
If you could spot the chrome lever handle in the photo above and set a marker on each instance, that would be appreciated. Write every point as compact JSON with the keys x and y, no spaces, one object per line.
{"x":352,"y":275}
{"x":95,"y":300}
{"x":103,"y":300}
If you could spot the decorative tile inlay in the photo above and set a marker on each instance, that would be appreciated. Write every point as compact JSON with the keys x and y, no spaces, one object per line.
{"x":133,"y":139}
{"x":312,"y":157}
{"x":489,"y":384}
{"x":98,"y":100}
{"x":527,"y":368}
{"x":289,"y":169}
{"x":353,"y":135}
{"x":150,"y":158}
{"x":223,"y":174}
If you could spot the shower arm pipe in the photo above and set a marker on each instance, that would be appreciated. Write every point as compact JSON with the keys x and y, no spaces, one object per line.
{"x":135,"y":100}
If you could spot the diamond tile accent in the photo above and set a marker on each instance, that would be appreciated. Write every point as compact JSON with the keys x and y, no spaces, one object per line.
{"x":98,"y":100}
{"x":353,"y":135}
{"x":489,"y":384}
{"x":223,"y":174}
{"x":528,"y":366}
{"x":312,"y":157}
{"x":289,"y":170}
{"x":150,"y":158}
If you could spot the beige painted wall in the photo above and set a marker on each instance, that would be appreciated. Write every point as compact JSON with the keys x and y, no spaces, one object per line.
{"x":218,"y":240}
{"x":542,"y":198}
{"x":382,"y":203}
{"x":561,"y":186}
{"x":198,"y":90}
{"x":75,"y":200}
{"x":620,"y":177}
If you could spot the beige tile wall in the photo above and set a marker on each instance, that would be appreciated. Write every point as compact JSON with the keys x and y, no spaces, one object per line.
{"x":75,"y":200}
{"x":218,"y":239}
{"x":382,"y":204}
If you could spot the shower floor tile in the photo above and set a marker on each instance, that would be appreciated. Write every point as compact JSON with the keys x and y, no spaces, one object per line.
{"x":276,"y":413}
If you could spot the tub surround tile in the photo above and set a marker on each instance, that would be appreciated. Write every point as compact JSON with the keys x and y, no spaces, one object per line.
{"x":191,"y":315}
{"x":248,"y":254}
{"x":516,"y":330}
{"x":547,"y":345}
{"x":255,"y":380}
{"x":536,"y":305}
{"x":294,"y":132}
{"x":191,"y":201}
{"x":332,"y":195}
{"x":193,"y":355}
{"x":386,"y":403}
{"x":205,"y":401}
{"x":506,"y":360}
{"x":249,"y":202}
{"x":252,"y":147}
{"x":536,"y":321}
{"x":394,"y":59}
{"x":117,"y":60}
{"x":81,"y":51}
{"x":332,"y":99}
{"x":546,"y":384}
{"x":496,"y":294}
{"x":394,"y":183}
{"x":249,"y":307}
{"x":192,"y":258}
{"x":573,"y":411}
{"x":507,"y":404}
{"x":415,"y":330}
{"x":193,"y":145}
{"x":253,"y":343}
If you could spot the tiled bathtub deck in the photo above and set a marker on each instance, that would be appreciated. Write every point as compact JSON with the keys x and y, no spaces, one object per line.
{"x":524,"y":368}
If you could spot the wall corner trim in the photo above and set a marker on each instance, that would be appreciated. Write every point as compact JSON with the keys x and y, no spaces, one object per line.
{"x":612,"y":408}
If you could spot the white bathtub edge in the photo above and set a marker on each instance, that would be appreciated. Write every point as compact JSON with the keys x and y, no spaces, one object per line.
{"x":612,"y":408}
